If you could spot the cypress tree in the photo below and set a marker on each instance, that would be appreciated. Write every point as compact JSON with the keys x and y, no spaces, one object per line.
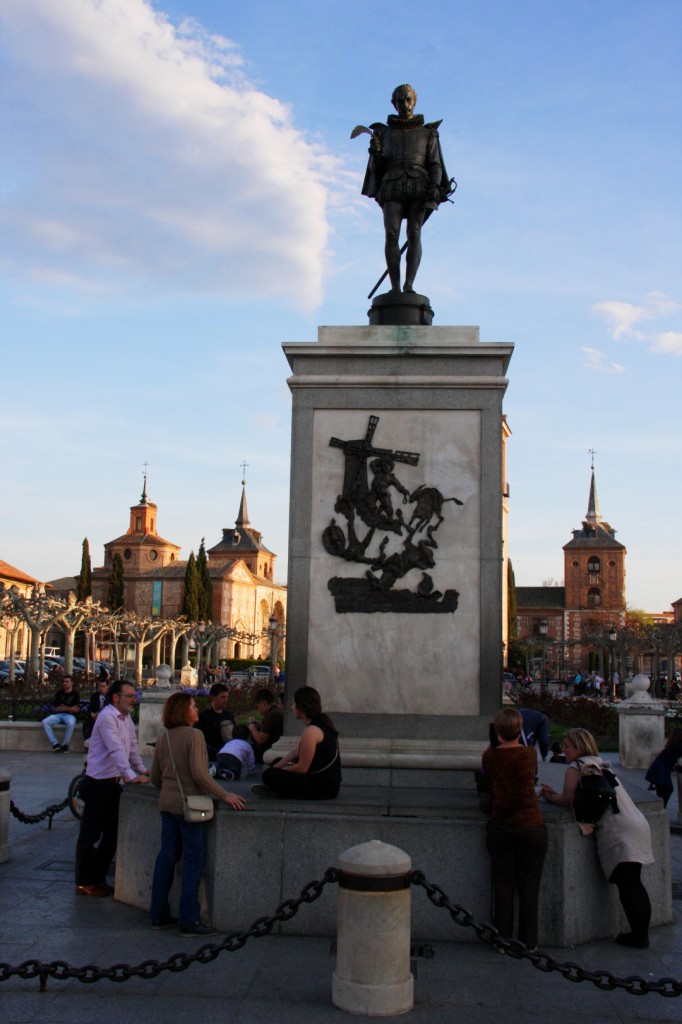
{"x":85,"y":578}
{"x":512,"y":632}
{"x":190,"y":601}
{"x":205,"y":587}
{"x":115,"y":594}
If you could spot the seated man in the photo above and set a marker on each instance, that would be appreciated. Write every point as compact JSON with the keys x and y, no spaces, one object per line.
{"x":214,"y":718}
{"x":266,"y":733}
{"x":66,"y":707}
{"x":97,"y":702}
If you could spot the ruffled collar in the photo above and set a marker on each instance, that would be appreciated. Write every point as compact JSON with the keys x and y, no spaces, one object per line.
{"x":416,"y":121}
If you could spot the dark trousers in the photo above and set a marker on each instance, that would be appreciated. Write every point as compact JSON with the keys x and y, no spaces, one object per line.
{"x":516,"y":857}
{"x":230,"y":763}
{"x":633,"y":897}
{"x":98,"y":834}
{"x":298,"y":787}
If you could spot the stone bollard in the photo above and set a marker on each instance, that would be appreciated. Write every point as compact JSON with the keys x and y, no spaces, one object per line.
{"x":641,"y":726}
{"x":372,"y":974}
{"x":5,"y":780}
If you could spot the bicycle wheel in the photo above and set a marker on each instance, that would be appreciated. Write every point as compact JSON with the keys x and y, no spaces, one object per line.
{"x":74,"y":797}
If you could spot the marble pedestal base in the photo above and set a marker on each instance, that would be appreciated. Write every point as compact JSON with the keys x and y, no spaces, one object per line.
{"x":396,"y":526}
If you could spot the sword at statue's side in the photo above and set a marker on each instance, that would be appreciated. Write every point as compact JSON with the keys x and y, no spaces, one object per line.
{"x":384,"y":275}
{"x":361,"y":129}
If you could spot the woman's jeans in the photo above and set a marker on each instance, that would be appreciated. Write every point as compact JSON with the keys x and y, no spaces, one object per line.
{"x":179,"y":837}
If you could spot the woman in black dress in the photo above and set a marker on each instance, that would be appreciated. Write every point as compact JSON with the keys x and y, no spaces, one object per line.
{"x":312,"y":770}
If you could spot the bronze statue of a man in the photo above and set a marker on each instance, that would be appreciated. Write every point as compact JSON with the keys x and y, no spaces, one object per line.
{"x":407,"y":177}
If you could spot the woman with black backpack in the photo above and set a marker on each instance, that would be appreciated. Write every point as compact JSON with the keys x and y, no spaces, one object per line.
{"x":622,"y":832}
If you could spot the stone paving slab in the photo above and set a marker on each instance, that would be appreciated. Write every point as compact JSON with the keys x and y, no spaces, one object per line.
{"x":286,"y":980}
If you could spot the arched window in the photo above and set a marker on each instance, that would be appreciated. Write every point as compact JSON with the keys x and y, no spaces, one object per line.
{"x":593,"y":564}
{"x":138,"y":524}
{"x":593,"y":598}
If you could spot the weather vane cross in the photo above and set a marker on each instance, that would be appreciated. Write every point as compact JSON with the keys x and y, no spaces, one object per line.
{"x":244,"y":467}
{"x":592,"y":452}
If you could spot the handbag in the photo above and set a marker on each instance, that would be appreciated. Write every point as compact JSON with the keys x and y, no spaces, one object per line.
{"x":195,"y":809}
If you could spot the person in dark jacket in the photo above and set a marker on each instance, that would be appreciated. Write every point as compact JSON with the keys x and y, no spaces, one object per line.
{"x":659,"y":773}
{"x":535,"y":730}
{"x":213,"y":718}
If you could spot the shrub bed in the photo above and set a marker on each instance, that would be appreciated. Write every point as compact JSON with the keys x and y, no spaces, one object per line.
{"x":599,"y":717}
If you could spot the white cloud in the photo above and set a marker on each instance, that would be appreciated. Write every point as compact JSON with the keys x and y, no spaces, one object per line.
{"x":669,"y":341}
{"x":145,"y":157}
{"x":623,"y":318}
{"x":594,"y":359}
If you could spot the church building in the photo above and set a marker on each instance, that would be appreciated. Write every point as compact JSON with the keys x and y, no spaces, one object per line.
{"x":593,"y":596}
{"x":241,"y":569}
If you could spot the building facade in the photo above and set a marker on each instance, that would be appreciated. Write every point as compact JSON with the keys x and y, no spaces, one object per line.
{"x":15,"y":636}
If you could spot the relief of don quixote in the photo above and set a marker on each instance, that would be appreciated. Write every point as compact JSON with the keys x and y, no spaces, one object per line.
{"x":377,"y":505}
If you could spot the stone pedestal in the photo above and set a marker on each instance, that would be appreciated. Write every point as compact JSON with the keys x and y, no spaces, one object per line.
{"x":404,"y":309}
{"x":188,"y":675}
{"x":150,"y":724}
{"x":641,"y":726}
{"x":395,"y":547}
{"x":443,"y":832}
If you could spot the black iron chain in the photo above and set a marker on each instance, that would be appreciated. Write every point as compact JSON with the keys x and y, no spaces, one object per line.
{"x":33,"y":819}
{"x":605,"y":980}
{"x":89,"y":973}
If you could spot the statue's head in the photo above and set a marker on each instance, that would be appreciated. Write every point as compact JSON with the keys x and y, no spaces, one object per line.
{"x":404,"y":99}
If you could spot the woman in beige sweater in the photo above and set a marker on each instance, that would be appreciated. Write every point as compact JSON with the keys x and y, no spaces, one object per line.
{"x":182,"y":749}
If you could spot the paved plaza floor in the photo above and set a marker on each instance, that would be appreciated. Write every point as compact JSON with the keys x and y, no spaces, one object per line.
{"x":276,"y":979}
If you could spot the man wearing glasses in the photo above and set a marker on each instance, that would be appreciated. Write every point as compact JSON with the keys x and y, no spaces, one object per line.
{"x":113,"y":758}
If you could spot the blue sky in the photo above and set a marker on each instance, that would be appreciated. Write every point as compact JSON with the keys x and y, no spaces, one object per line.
{"x":180,"y":195}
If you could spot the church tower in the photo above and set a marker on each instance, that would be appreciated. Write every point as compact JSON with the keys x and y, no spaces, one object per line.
{"x":141,"y":548}
{"x":245,"y":543}
{"x":594,"y":563}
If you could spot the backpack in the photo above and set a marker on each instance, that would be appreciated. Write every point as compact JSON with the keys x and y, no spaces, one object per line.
{"x":595,"y":792}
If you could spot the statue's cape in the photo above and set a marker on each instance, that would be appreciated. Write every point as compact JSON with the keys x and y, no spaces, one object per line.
{"x":372,"y":181}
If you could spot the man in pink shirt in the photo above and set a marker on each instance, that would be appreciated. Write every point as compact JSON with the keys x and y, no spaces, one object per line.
{"x":113,"y":758}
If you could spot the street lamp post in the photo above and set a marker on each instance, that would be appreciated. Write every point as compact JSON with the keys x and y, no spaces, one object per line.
{"x":201,"y":629}
{"x":613,"y":636}
{"x":543,"y":627}
{"x":272,"y":630}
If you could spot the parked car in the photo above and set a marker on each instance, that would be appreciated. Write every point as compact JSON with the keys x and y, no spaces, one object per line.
{"x":4,"y":670}
{"x":258,"y":671}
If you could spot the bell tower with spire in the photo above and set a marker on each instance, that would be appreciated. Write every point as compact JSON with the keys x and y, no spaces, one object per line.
{"x":594,"y":562}
{"x":245,"y":543}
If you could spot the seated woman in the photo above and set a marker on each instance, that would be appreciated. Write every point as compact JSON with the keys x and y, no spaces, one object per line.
{"x":312,"y":770}
{"x":623,"y":839}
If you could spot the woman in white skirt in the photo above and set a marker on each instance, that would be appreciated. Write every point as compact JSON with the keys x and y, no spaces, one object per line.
{"x":623,"y":839}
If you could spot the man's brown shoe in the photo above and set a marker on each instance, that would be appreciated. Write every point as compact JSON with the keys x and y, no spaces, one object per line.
{"x":94,"y":890}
